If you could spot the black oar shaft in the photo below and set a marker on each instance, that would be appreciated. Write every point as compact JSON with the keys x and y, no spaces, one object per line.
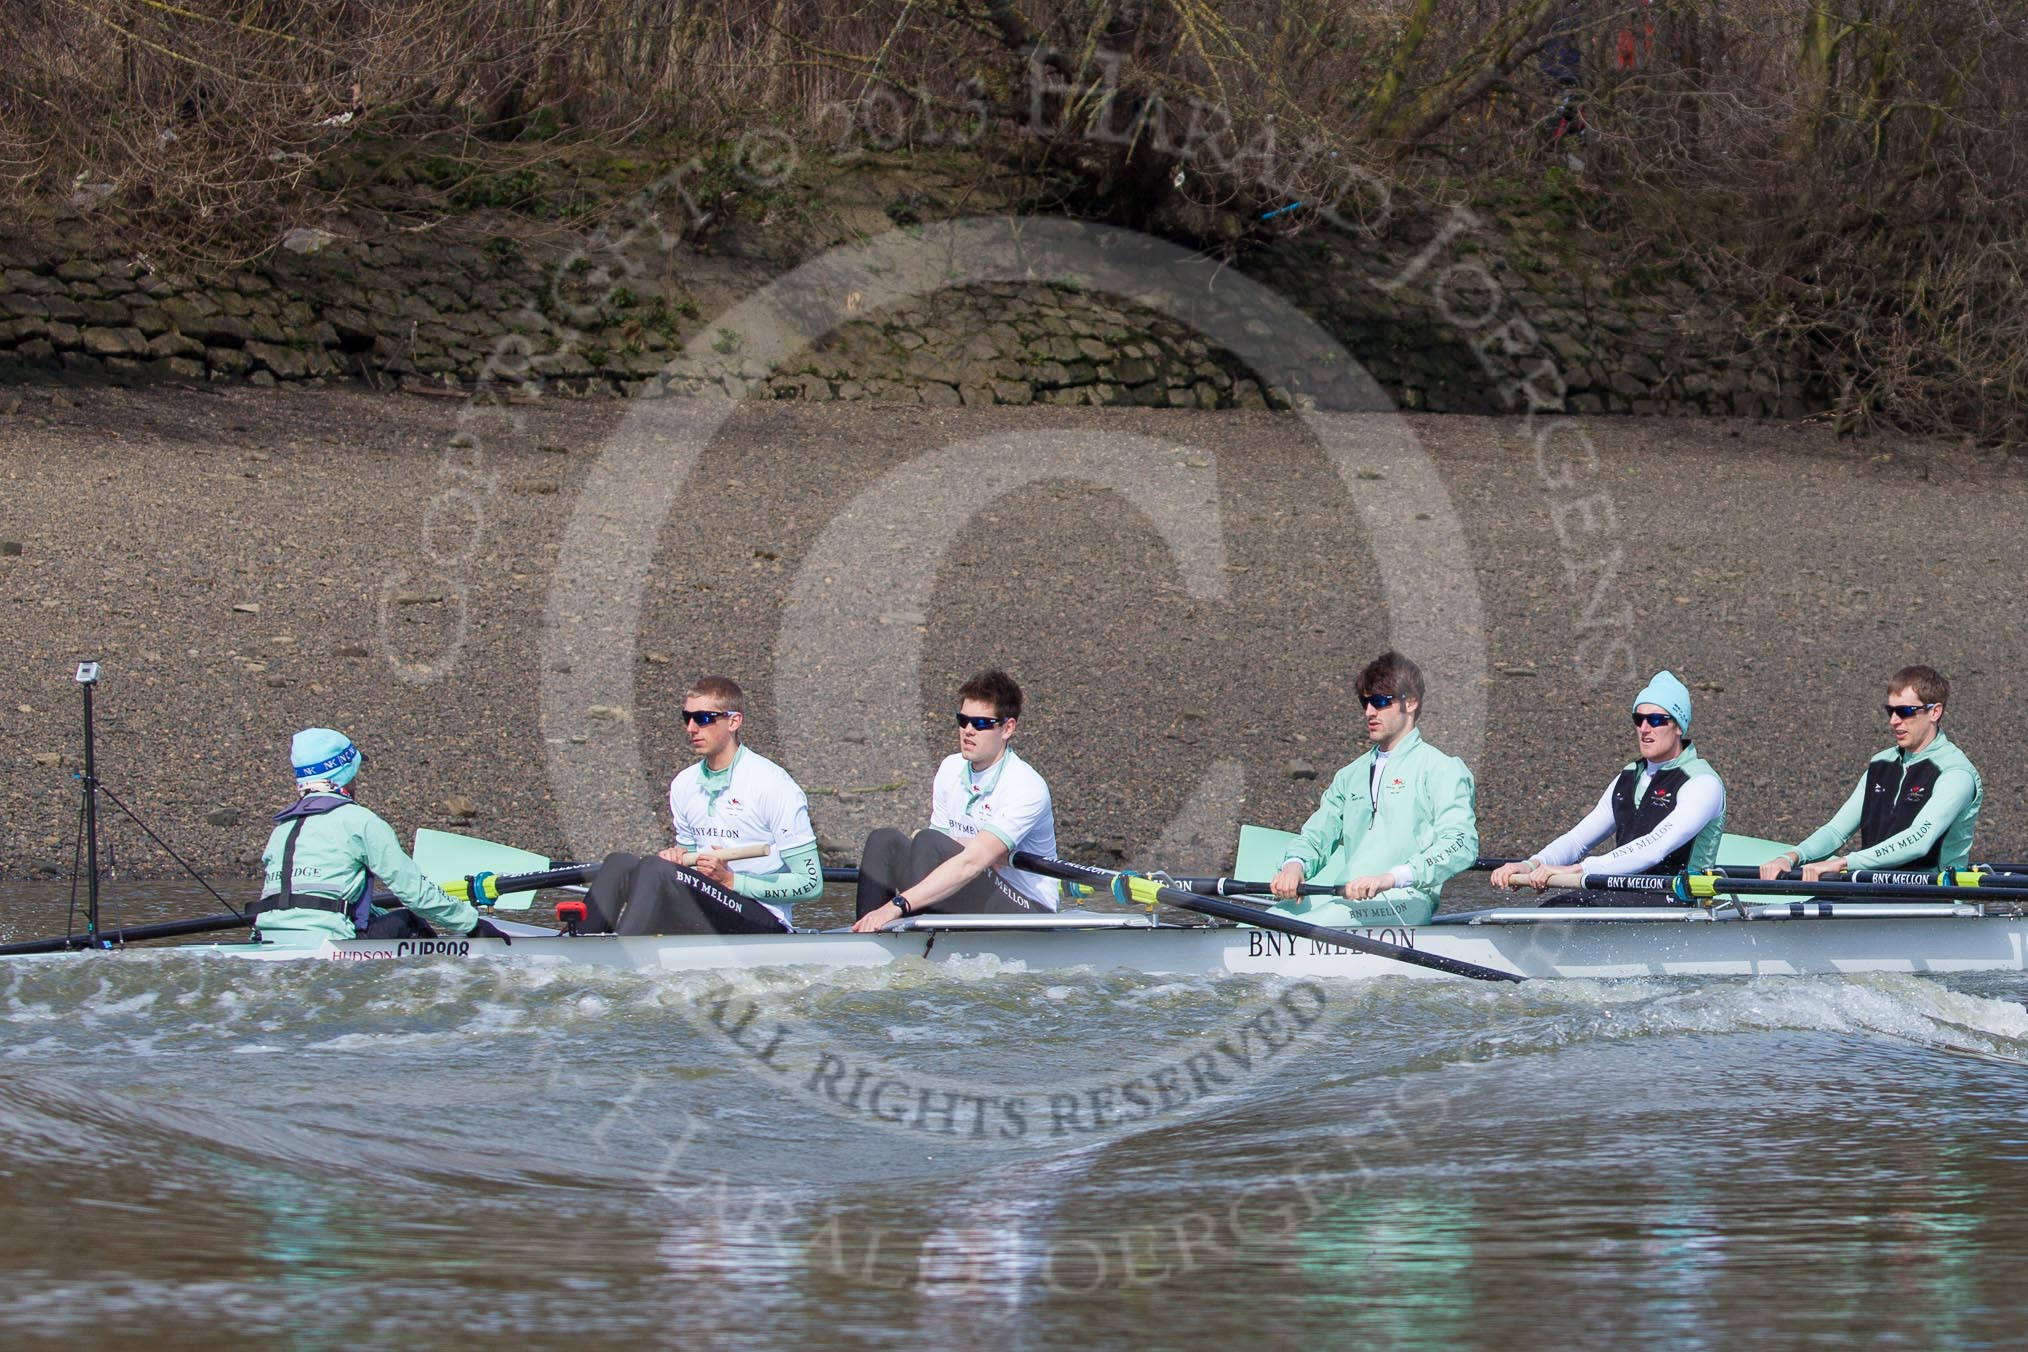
{"x":1221,"y":887}
{"x":132,"y":934}
{"x":1239,"y":887}
{"x":1684,"y":887}
{"x":1989,"y":876}
{"x":1248,"y":915}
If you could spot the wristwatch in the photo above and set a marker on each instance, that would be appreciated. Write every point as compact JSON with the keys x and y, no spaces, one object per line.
{"x":901,"y":903}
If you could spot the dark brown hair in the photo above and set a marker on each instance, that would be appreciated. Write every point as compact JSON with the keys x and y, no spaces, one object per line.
{"x":996,"y":688}
{"x":1392,"y":674}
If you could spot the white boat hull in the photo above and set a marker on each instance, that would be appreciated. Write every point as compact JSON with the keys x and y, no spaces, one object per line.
{"x":1594,"y":947}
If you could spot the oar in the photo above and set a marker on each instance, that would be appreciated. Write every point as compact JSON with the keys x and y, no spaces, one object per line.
{"x":443,"y":852}
{"x":132,"y":934}
{"x":492,"y":886}
{"x":1234,"y":887}
{"x":1981,"y":875}
{"x":1216,"y":887}
{"x":1705,"y":886}
{"x":1148,"y":892}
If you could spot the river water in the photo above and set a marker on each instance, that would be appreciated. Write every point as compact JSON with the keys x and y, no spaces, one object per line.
{"x":194,"y":1149}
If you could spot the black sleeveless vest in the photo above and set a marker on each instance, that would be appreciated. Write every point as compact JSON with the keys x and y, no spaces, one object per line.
{"x":1893,"y":798}
{"x":1631,"y":821}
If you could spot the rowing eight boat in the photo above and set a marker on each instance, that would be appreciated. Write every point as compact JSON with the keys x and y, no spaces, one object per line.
{"x":1745,"y":937}
{"x":1558,"y":943}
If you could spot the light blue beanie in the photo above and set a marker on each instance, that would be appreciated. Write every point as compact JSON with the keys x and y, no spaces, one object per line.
{"x":1671,"y":694}
{"x":320,"y":753}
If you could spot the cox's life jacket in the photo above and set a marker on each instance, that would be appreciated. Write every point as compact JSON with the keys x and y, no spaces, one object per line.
{"x":298,"y":812}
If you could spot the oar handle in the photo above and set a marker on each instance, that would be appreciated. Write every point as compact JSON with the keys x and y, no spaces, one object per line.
{"x":1141,"y":888}
{"x":731,"y":852}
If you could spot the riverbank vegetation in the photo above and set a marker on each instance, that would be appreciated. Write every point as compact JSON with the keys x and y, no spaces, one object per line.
{"x":1851,"y":171}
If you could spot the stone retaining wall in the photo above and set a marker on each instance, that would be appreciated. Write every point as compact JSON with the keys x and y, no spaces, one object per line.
{"x":1457,"y":332}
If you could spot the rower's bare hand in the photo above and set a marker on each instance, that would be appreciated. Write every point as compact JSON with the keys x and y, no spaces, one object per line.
{"x":1369,"y":887}
{"x":877,"y":919}
{"x":714,"y":868}
{"x":1509,"y":876}
{"x":1776,"y":867}
{"x":1285,"y":883}
{"x":1541,"y":878}
{"x":677,"y":855}
{"x":1822,"y":868}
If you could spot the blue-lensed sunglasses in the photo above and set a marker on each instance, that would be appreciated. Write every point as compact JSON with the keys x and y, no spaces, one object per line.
{"x":978,"y":724}
{"x":704,"y":718}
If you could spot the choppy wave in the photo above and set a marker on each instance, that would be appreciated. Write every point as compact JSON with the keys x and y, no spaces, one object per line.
{"x":431,"y":1153}
{"x":293,"y":1061}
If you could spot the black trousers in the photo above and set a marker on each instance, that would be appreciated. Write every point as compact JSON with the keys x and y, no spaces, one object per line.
{"x":646,"y":894}
{"x":399,"y":923}
{"x":893,"y":862}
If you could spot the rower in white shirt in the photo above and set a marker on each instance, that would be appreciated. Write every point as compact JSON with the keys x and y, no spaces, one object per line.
{"x":732,"y":802}
{"x":985,"y":804}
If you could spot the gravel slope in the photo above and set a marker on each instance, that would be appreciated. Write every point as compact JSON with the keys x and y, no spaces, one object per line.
{"x":245,"y":562}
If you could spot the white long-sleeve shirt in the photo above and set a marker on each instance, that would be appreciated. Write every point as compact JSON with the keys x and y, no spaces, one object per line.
{"x":1701,"y":799}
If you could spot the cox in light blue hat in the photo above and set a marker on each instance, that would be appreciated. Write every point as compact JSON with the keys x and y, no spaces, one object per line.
{"x":1669,"y":694}
{"x":326,"y":755}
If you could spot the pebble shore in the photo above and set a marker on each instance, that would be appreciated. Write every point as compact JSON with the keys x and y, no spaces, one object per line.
{"x":246,"y":562}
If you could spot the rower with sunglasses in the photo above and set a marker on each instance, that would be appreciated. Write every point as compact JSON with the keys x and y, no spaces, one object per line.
{"x":732,"y":796}
{"x":1404,"y":813}
{"x":985,"y":804}
{"x":1665,"y":810}
{"x":1918,"y":802}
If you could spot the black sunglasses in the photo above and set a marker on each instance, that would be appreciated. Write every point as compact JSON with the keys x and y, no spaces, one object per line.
{"x":978,"y":724}
{"x":1652,"y":720}
{"x":1378,"y":701}
{"x":1906,"y":710}
{"x":704,"y":718}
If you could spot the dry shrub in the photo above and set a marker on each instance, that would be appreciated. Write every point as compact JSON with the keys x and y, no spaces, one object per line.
{"x":1851,"y":171}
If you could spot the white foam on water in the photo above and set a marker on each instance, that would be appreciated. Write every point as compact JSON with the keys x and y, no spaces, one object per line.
{"x":353,"y":1042}
{"x":1896,"y":1006}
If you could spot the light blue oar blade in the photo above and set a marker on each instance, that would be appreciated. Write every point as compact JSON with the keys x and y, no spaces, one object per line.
{"x":1752,"y":852}
{"x":1747,"y":850}
{"x":1262,"y":849}
{"x":445,"y":855}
